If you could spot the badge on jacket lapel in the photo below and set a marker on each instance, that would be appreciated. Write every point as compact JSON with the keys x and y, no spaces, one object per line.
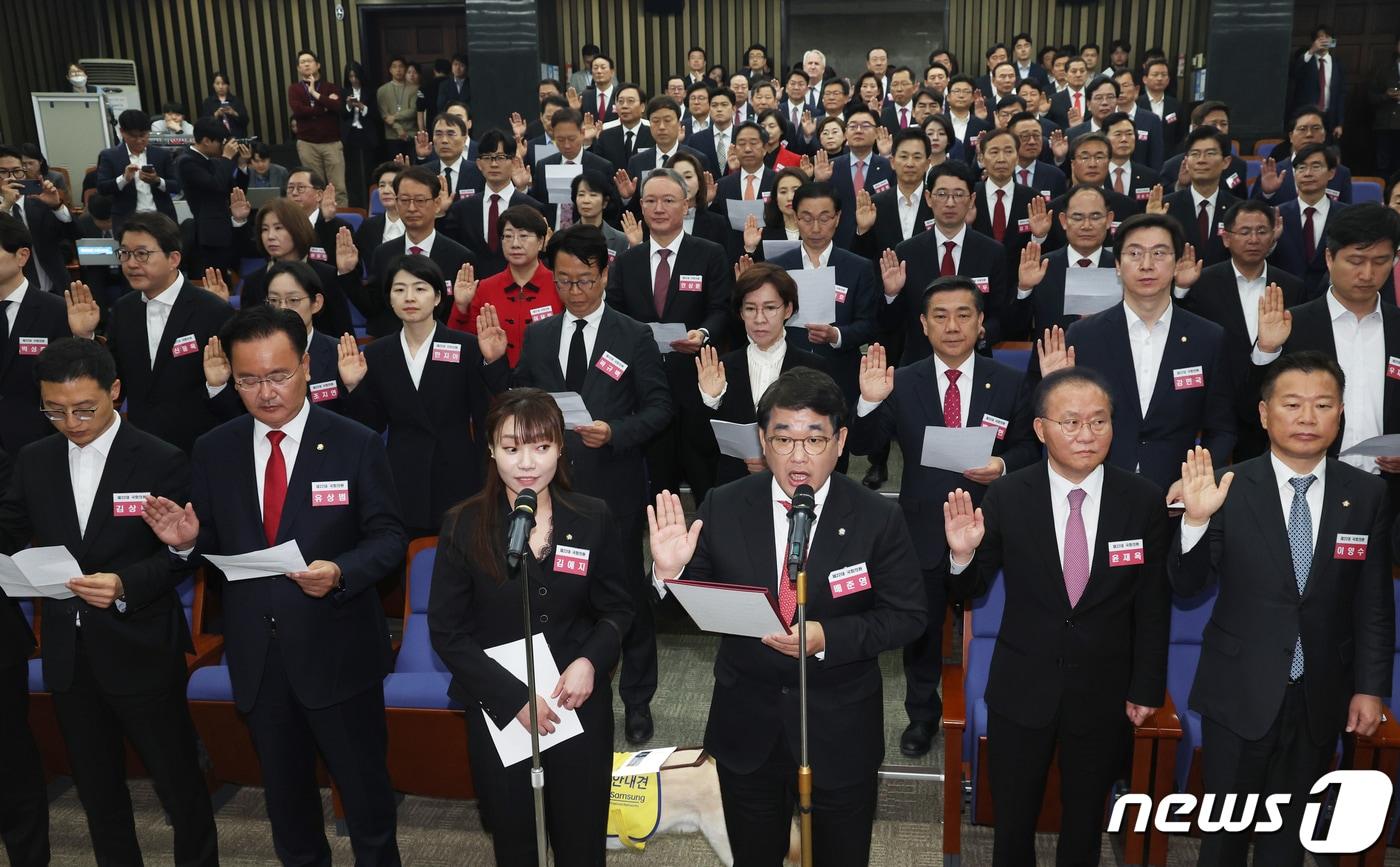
{"x":330,"y":493}
{"x":324,"y":391}
{"x":852,"y":579}
{"x":1392,"y":367}
{"x":1125,"y":553}
{"x":1188,"y":377}
{"x":184,"y":346}
{"x":613,"y":366}
{"x":448,"y":352}
{"x":129,"y":505}
{"x":1350,"y":547}
{"x":32,"y":345}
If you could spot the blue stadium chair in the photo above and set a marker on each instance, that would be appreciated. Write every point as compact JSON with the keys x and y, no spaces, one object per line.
{"x":376,"y":207}
{"x":1189,"y":619}
{"x":354,"y":216}
{"x":1252,"y":168}
{"x":1013,"y":354}
{"x":248,"y":267}
{"x":1265,"y":146}
{"x":1367,"y":190}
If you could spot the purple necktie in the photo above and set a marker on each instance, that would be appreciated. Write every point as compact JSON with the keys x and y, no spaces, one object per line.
{"x":1076,"y":549}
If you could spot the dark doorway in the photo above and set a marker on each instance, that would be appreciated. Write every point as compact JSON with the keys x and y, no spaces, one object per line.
{"x":419,"y":34}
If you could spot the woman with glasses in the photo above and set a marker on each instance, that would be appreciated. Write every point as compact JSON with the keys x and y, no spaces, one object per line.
{"x":765,"y":298}
{"x":777,"y":155}
{"x":281,"y":233}
{"x":596,"y":203}
{"x":523,"y":293}
{"x":428,"y":387}
{"x":381,"y":227}
{"x":831,"y":135}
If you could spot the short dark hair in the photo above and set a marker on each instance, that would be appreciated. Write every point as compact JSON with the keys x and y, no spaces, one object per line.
{"x":1081,"y":187}
{"x":995,"y":133}
{"x":492,"y":141}
{"x":262,"y":321}
{"x":553,"y":99}
{"x":1303,"y":361}
{"x":155,"y":224}
{"x":663,"y":103}
{"x":949,"y":169}
{"x":1362,"y":225}
{"x":1078,"y":375}
{"x":1101,"y":81}
{"x":757,"y":276}
{"x":1119,"y":43}
{"x":584,"y":242}
{"x":208,"y":128}
{"x":1202,"y":133}
{"x":14,"y":234}
{"x":1248,"y":206}
{"x":1117,"y":117}
{"x":134,"y":120}
{"x":1007,"y":63}
{"x":260,"y":149}
{"x":952,"y":284}
{"x":1093,"y":45}
{"x":695,"y":48}
{"x":724,"y":92}
{"x":1308,"y":150}
{"x":704,"y":84}
{"x":451,"y":120}
{"x":1156,"y":61}
{"x":1012,"y":101}
{"x":567,"y":115}
{"x":798,"y":72}
{"x":74,"y":358}
{"x":1148,"y":221}
{"x":1021,"y":37}
{"x":172,"y":108}
{"x":1198,"y":114}
{"x":300,"y":271}
{"x":911,"y":134}
{"x":816,"y":190}
{"x":865,"y":110}
{"x":420,"y":267}
{"x":1131,"y":73}
{"x":755,"y":126}
{"x":457,"y":103}
{"x":996,"y":46}
{"x":837,"y":82}
{"x":420,"y":175}
{"x":629,"y":85}
{"x":804,"y":388}
{"x":602,"y":56}
{"x":1088,"y":138}
{"x":524,"y":217}
{"x":377,"y":173}
{"x":313,"y":177}
{"x":99,"y":207}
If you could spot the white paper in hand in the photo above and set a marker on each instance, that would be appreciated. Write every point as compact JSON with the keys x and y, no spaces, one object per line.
{"x":774,"y":249}
{"x":558,"y":182}
{"x":737,"y":440}
{"x":544,"y":152}
{"x":571,"y":405}
{"x":268,"y":562}
{"x":740,"y":209}
{"x":1090,"y":290}
{"x":39,"y":572}
{"x":957,"y":449}
{"x":664,"y":333}
{"x":816,"y":296}
{"x":513,"y":742}
{"x":1383,"y":446}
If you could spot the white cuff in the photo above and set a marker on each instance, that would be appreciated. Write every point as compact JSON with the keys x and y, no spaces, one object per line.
{"x":1261,"y":358}
{"x":215,"y":392}
{"x":1023,"y":294}
{"x":837,"y":344}
{"x":956,"y":568}
{"x":183,"y":555}
{"x":866,"y":407}
{"x":237,"y":222}
{"x":1191,"y":535}
{"x":661,"y":585}
{"x":714,"y":402}
{"x":122,"y":182}
{"x":889,"y":299}
{"x":1180,"y":291}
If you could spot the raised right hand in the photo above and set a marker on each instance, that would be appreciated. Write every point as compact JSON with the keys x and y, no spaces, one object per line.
{"x":175,"y":526}
{"x":753,"y":234}
{"x":216,"y":367}
{"x":1155,"y":205}
{"x":546,"y":717}
{"x":464,"y":288}
{"x":876,"y":380}
{"x":821,"y":166}
{"x":350,"y":362}
{"x":710,"y":371}
{"x":865,"y":212}
{"x":1053,"y":352}
{"x":962,"y":525}
{"x":672,"y":545}
{"x":422,"y":145}
{"x":238,"y":205}
{"x":632,"y":229}
{"x":893,"y":273}
{"x":1200,"y":493}
{"x":1275,"y":320}
{"x":83,"y":311}
{"x":1270,"y":178}
{"x":1032,"y":269}
{"x":626,"y":187}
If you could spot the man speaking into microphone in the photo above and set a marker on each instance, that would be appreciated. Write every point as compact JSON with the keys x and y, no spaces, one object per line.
{"x":864,"y":596}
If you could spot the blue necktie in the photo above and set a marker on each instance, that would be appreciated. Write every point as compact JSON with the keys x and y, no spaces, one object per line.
{"x":1301,"y":545}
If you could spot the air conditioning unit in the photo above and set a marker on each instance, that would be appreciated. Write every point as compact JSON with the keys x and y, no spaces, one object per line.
{"x":116,"y":78}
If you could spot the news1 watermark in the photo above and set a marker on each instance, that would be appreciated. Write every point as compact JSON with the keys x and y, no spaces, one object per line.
{"x":1359,"y":803}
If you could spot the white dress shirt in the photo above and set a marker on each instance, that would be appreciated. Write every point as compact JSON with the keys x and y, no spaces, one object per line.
{"x":1149,"y":344}
{"x":15,"y":298}
{"x":764,"y":366}
{"x":295,"y":429}
{"x":1321,"y":209}
{"x":1251,"y":290}
{"x":486,"y":193}
{"x":1008,"y":193}
{"x":158,"y":313}
{"x":780,"y":530}
{"x":674,"y":247}
{"x":590,"y":335}
{"x":416,"y":361}
{"x":940,"y":249}
{"x":1197,"y":199}
{"x":757,"y":176}
{"x":145,"y":198}
{"x":1282,"y":473}
{"x":1072,"y":258}
{"x":456,"y":174}
{"x":426,"y":245}
{"x":940,"y":375}
{"x":908,"y":207}
{"x":1092,"y":486}
{"x":959,"y":126}
{"x":85,"y":466}
{"x":1361,"y":353}
{"x":392,"y":229}
{"x":661,"y":158}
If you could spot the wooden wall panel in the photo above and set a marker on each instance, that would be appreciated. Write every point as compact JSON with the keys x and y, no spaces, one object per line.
{"x":42,"y":38}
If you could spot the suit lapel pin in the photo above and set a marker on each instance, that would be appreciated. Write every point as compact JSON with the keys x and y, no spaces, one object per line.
{"x":1346,"y":504}
{"x":1183,"y":338}
{"x":568,"y":537}
{"x":841,"y":531}
{"x":986,"y":385}
{"x":320,"y":447}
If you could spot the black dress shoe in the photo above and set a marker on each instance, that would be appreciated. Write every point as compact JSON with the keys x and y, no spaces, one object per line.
{"x":917,"y":738}
{"x":876,"y":476}
{"x":638,"y":726}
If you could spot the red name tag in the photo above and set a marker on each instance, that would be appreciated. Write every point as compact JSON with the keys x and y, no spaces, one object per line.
{"x":880,"y":186}
{"x":1188,"y":377}
{"x":1024,"y":226}
{"x":330,"y":493}
{"x":465,"y":194}
{"x":840,"y":294}
{"x":323,"y":391}
{"x":1000,"y":424}
{"x":1125,"y":553}
{"x":612,"y":254}
{"x":1142,"y":195}
{"x":1350,"y":547}
{"x":1142,"y":135}
{"x":1232,"y":181}
{"x":32,"y":345}
{"x":539,"y":313}
{"x":184,"y":346}
{"x":574,"y":561}
{"x":448,"y":352}
{"x":1171,"y":118}
{"x":317,"y":254}
{"x":1334,"y":195}
{"x":982,"y":285}
{"x":129,"y":505}
{"x":447,"y":286}
{"x":928,"y":224}
{"x":852,"y":579}
{"x":692,"y":282}
{"x":1045,"y":194}
{"x":612,"y":366}
{"x":1392,"y":367}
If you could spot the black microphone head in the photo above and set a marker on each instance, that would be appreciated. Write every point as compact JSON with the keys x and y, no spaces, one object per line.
{"x":804,"y":499}
{"x":526,"y":501}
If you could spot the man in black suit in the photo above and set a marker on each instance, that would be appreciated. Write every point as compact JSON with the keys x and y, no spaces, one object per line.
{"x":1229,"y":294}
{"x":1275,"y":185}
{"x":567,"y":129}
{"x":664,"y":117}
{"x":317,"y":201}
{"x":455,"y":157}
{"x":565,"y":353}
{"x":1297,"y":545}
{"x":872,"y":602}
{"x":953,"y":388}
{"x":1089,"y":157}
{"x":51,"y":225}
{"x":137,"y":178}
{"x":1126,"y":175}
{"x":902,"y":211}
{"x":471,"y":220}
{"x":951,"y":247}
{"x":307,"y":652}
{"x":1302,"y":248}
{"x":156,"y":334}
{"x":31,"y":320}
{"x":1040,"y":287}
{"x":1349,"y":323}
{"x":620,"y":140}
{"x":1081,"y":657}
{"x":697,"y":108}
{"x":114,"y":653}
{"x":1235,"y":178}
{"x":898,"y":113}
{"x":548,"y":106}
{"x":1043,"y":177}
{"x":599,"y":97}
{"x":1318,"y":79}
{"x":1022,"y":56}
{"x":716,"y":141}
{"x":1200,"y":209}
{"x":674,"y":277}
{"x":751,"y":182}
{"x":966,"y":124}
{"x":1069,"y":107}
{"x":1156,"y":78}
{"x":860,"y":168}
{"x":1003,"y":208}
{"x":1149,"y":137}
{"x":1101,"y":99}
{"x":209,"y":171}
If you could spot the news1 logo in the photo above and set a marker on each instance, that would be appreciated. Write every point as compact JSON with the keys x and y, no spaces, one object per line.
{"x":1358,"y":812}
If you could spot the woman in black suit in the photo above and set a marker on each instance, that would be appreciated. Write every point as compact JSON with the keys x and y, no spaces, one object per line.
{"x":779,"y":219}
{"x":700,"y":221}
{"x":281,"y":232}
{"x":381,"y":227}
{"x":765,"y":297}
{"x":225,"y":107}
{"x":429,"y":387}
{"x":579,"y":602}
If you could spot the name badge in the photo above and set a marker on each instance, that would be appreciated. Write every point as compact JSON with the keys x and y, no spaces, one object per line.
{"x":1350,"y":547}
{"x":465,"y":194}
{"x":852,"y":579}
{"x":841,"y":294}
{"x":764,"y":196}
{"x":1023,"y":226}
{"x":1142,"y":135}
{"x":538,"y":313}
{"x":1220,"y":230}
{"x":928,"y":224}
{"x":1188,"y":377}
{"x":1392,"y":368}
{"x":1142,"y":194}
{"x":323,"y":391}
{"x":880,"y":186}
{"x":612,"y":366}
{"x":989,"y":420}
{"x":571,"y":560}
{"x":982,"y":285}
{"x":1125,"y":553}
{"x":692,"y":282}
{"x":184,"y":345}
{"x":330,"y":493}
{"x":1171,"y":118}
{"x":317,"y":254}
{"x":32,"y":345}
{"x":448,"y":352}
{"x":447,"y":286}
{"x":1113,"y":227}
{"x":1045,"y":194}
{"x":129,"y":505}
{"x":1334,"y":195}
{"x":612,"y":254}
{"x":1233,"y":180}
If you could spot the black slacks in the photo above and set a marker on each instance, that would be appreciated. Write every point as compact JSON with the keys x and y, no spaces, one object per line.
{"x":923,"y":657}
{"x":758,"y":813}
{"x":637,"y":682}
{"x":1285,"y":759}
{"x":1020,"y":757}
{"x":352,"y":737}
{"x":96,"y":724}
{"x":577,"y":786}
{"x":24,"y":802}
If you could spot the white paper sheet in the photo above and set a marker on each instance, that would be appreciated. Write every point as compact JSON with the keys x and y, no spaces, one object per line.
{"x":737,"y":440}
{"x":739,"y":210}
{"x":1089,"y":290}
{"x":774,"y":249}
{"x":957,"y":448}
{"x":279,"y":560}
{"x":1383,"y":446}
{"x":513,"y":742}
{"x":544,"y":152}
{"x":643,"y":762}
{"x":572,"y":406}
{"x":558,"y":182}
{"x":816,"y":296}
{"x":736,"y":610}
{"x":39,"y":572}
{"x":665,"y":332}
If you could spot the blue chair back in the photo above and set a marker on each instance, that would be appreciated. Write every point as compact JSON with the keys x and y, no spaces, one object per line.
{"x":986,"y":614}
{"x":186,"y":591}
{"x":355,"y":220}
{"x":1189,"y":619}
{"x":248,"y":267}
{"x":376,"y":207}
{"x":416,"y":653}
{"x":1366,"y":191}
{"x":1252,"y":171}
{"x":1020,"y":359}
{"x":26,"y":606}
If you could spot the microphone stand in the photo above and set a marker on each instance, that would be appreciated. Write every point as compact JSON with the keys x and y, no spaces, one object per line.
{"x":536,"y":772}
{"x":804,"y":769}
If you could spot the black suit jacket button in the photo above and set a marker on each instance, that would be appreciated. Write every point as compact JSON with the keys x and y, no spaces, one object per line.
{"x":544,"y":618}
{"x":544,"y":591}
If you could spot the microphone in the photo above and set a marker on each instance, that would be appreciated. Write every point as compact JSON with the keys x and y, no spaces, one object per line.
{"x":800,"y":519}
{"x":522,"y":520}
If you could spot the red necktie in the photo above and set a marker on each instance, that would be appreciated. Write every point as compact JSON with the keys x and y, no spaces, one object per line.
{"x":1077,"y":106}
{"x":952,"y":401}
{"x":904,"y":118}
{"x":1309,"y":246}
{"x":999,"y":217}
{"x":1203,"y":223}
{"x":416,"y":250}
{"x":491,"y":216}
{"x":1086,"y":263}
{"x":274,"y":487}
{"x":948,"y":269}
{"x":860,"y":175}
{"x":787,"y":590}
{"x":1321,"y":84}
{"x":1025,"y":177}
{"x":602,"y":105}
{"x":662,"y":284}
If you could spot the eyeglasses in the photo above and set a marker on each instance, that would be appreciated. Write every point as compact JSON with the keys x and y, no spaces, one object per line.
{"x":1091,"y":158}
{"x":945,"y":195}
{"x":141,"y":255}
{"x":299,"y":188}
{"x":1203,"y":155}
{"x":11,"y":173}
{"x":493,"y":159}
{"x":57,"y":415}
{"x":1158,"y":254}
{"x":1072,"y":426}
{"x":284,"y":303}
{"x":783,"y":445}
{"x":860,"y":126}
{"x":414,"y":201}
{"x":1312,"y":129}
{"x":1094,"y":217}
{"x":666,"y":201}
{"x":1251,"y":233}
{"x":769,"y":311}
{"x":276,"y":380}
{"x":518,"y":237}
{"x":583,"y":285}
{"x":1310,"y":168}
{"x":823,"y":219}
